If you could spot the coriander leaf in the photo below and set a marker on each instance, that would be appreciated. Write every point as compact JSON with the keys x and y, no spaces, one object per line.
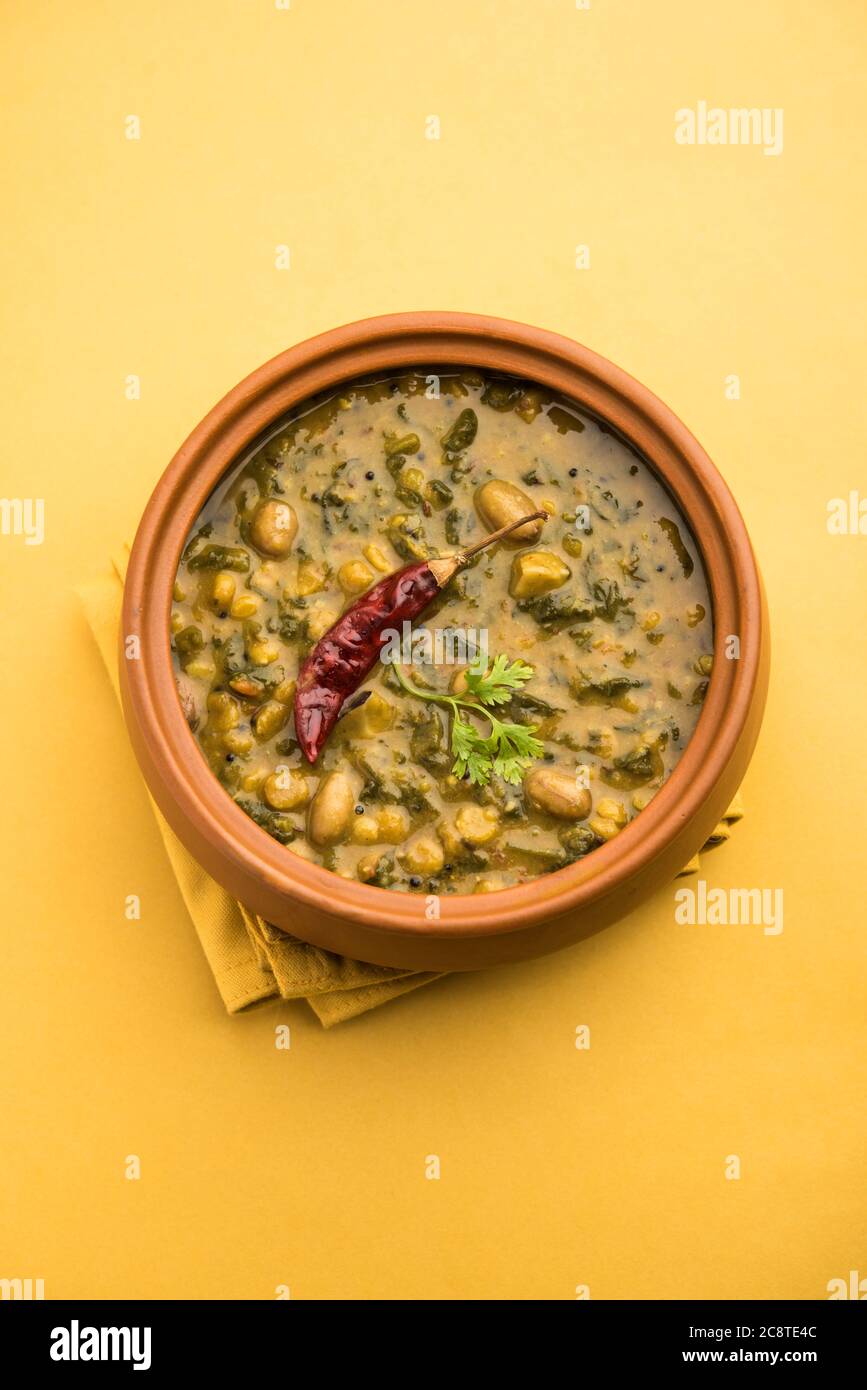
{"x":465,"y":737}
{"x":516,"y":747}
{"x":472,"y":756}
{"x":479,"y":768}
{"x":511,"y":770}
{"x":520,"y":739}
{"x":496,"y":686}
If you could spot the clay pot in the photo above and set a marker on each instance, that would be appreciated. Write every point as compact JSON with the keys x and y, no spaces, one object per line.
{"x":483,"y":929}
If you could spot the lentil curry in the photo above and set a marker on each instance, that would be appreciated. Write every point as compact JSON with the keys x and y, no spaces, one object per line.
{"x":600,"y":619}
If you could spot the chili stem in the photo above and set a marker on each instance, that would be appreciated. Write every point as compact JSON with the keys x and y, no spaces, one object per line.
{"x":499,"y":534}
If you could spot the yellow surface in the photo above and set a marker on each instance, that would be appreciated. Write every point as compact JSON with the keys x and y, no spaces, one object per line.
{"x":306,"y":1167}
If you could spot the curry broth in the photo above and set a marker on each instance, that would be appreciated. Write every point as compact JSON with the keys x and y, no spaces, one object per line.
{"x":609,"y":606}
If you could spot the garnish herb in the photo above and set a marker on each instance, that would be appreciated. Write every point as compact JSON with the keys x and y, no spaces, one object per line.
{"x":508,"y":749}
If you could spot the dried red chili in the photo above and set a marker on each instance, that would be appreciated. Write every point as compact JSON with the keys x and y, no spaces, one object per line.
{"x":346,"y":655}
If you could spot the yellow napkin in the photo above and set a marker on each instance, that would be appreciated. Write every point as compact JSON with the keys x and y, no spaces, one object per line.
{"x":252,"y":962}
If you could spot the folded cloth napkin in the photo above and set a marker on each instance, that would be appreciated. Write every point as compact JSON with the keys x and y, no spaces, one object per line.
{"x":253,"y":962}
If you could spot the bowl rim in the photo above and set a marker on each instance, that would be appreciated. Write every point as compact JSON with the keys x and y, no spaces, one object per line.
{"x":177,"y":773}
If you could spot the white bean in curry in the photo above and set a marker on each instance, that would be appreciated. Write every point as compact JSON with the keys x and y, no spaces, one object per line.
{"x":606,"y":602}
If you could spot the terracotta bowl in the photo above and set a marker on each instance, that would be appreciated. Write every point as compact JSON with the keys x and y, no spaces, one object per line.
{"x":374,"y":924}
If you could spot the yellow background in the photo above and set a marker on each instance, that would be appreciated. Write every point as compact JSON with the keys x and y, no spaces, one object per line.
{"x":306,"y":127}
